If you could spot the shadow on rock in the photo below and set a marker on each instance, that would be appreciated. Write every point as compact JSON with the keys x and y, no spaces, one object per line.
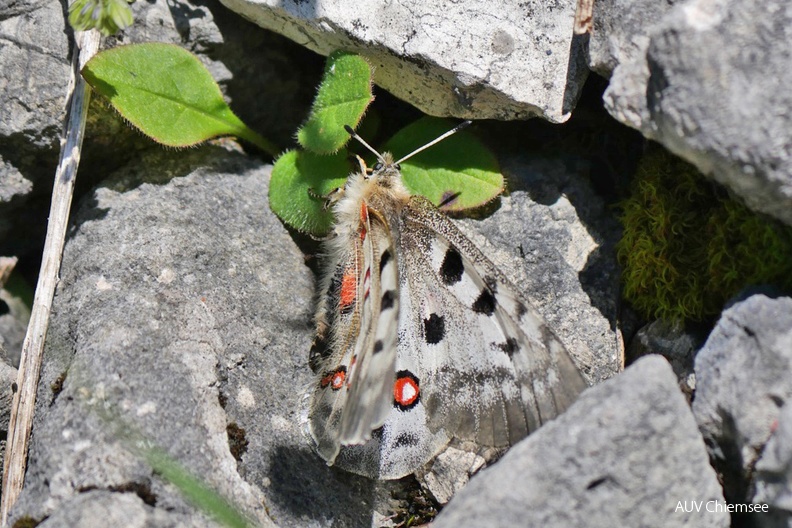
{"x":304,"y":486}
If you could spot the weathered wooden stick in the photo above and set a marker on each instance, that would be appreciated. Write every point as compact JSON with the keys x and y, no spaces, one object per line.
{"x":24,"y":401}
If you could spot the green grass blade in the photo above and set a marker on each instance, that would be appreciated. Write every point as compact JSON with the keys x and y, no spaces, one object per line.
{"x":167,"y":93}
{"x":195,"y":491}
{"x":343,"y":96}
{"x":295,"y":176}
{"x":458,"y":173}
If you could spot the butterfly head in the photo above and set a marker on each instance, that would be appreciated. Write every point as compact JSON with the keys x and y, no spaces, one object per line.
{"x":385,"y":170}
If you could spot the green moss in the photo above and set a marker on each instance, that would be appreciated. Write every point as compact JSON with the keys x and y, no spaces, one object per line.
{"x":688,"y":247}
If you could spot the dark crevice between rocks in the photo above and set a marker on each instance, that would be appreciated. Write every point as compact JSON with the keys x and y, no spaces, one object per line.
{"x":729,"y":466}
{"x":417,"y":507}
{"x":28,"y":522}
{"x":237,"y":441}
{"x":57,"y":387}
{"x":141,"y":489}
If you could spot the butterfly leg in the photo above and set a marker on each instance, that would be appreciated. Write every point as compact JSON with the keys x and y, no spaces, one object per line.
{"x":329,"y":199}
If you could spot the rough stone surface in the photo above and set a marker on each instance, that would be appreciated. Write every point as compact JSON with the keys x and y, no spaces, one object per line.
{"x":450,"y":472}
{"x":773,"y":479}
{"x":13,"y":325}
{"x":675,"y":343}
{"x":712,"y":88}
{"x":267,"y":79}
{"x":466,"y":59}
{"x":102,"y":508}
{"x":183,"y":316}
{"x":624,"y":454}
{"x":166,"y":286}
{"x":743,"y":377}
{"x":8,"y":376}
{"x":34,"y":72}
{"x":621,"y":32}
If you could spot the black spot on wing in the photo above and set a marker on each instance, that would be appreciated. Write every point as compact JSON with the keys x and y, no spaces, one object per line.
{"x":387,"y":300}
{"x":384,"y":259}
{"x":405,"y":440}
{"x":448,"y":198}
{"x":434,"y":329}
{"x":378,"y":346}
{"x":452,"y":267}
{"x":485,"y":303}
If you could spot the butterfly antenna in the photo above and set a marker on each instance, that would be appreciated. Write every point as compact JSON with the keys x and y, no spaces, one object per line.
{"x":354,"y":134}
{"x":460,"y":126}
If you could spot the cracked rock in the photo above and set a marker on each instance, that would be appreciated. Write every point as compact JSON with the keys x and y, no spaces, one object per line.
{"x":171,"y":269}
{"x":710,"y":82}
{"x":743,"y":378}
{"x":465,"y":59}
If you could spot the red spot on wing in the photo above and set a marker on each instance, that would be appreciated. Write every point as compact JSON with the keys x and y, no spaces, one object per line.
{"x":338,"y":379}
{"x":348,"y":289}
{"x":406,"y":390}
{"x":364,"y":218}
{"x":335,"y":379}
{"x":363,"y":213}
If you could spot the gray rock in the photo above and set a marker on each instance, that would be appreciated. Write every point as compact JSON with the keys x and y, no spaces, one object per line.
{"x":13,"y":326}
{"x":8,"y":377}
{"x":468,"y":59}
{"x":625,"y":454}
{"x":183,"y":318}
{"x":743,"y":377}
{"x":554,"y":238}
{"x":621,"y":32}
{"x":773,"y":478}
{"x":712,"y":88}
{"x":169,"y":289}
{"x":102,"y":508}
{"x":269,"y":81}
{"x":675,"y":343}
{"x":35,"y":72}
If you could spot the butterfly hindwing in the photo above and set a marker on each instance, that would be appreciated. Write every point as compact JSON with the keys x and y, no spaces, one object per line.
{"x":372,"y":375}
{"x":359,"y":314}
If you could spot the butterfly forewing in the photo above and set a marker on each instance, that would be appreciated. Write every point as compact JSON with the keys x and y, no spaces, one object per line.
{"x":508,"y":371}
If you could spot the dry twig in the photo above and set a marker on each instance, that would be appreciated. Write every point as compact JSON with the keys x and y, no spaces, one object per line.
{"x":24,"y":400}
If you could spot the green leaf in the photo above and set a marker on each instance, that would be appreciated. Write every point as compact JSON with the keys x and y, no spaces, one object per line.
{"x":456,"y":174}
{"x":295,"y":176}
{"x":167,"y":93}
{"x":343,"y":96}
